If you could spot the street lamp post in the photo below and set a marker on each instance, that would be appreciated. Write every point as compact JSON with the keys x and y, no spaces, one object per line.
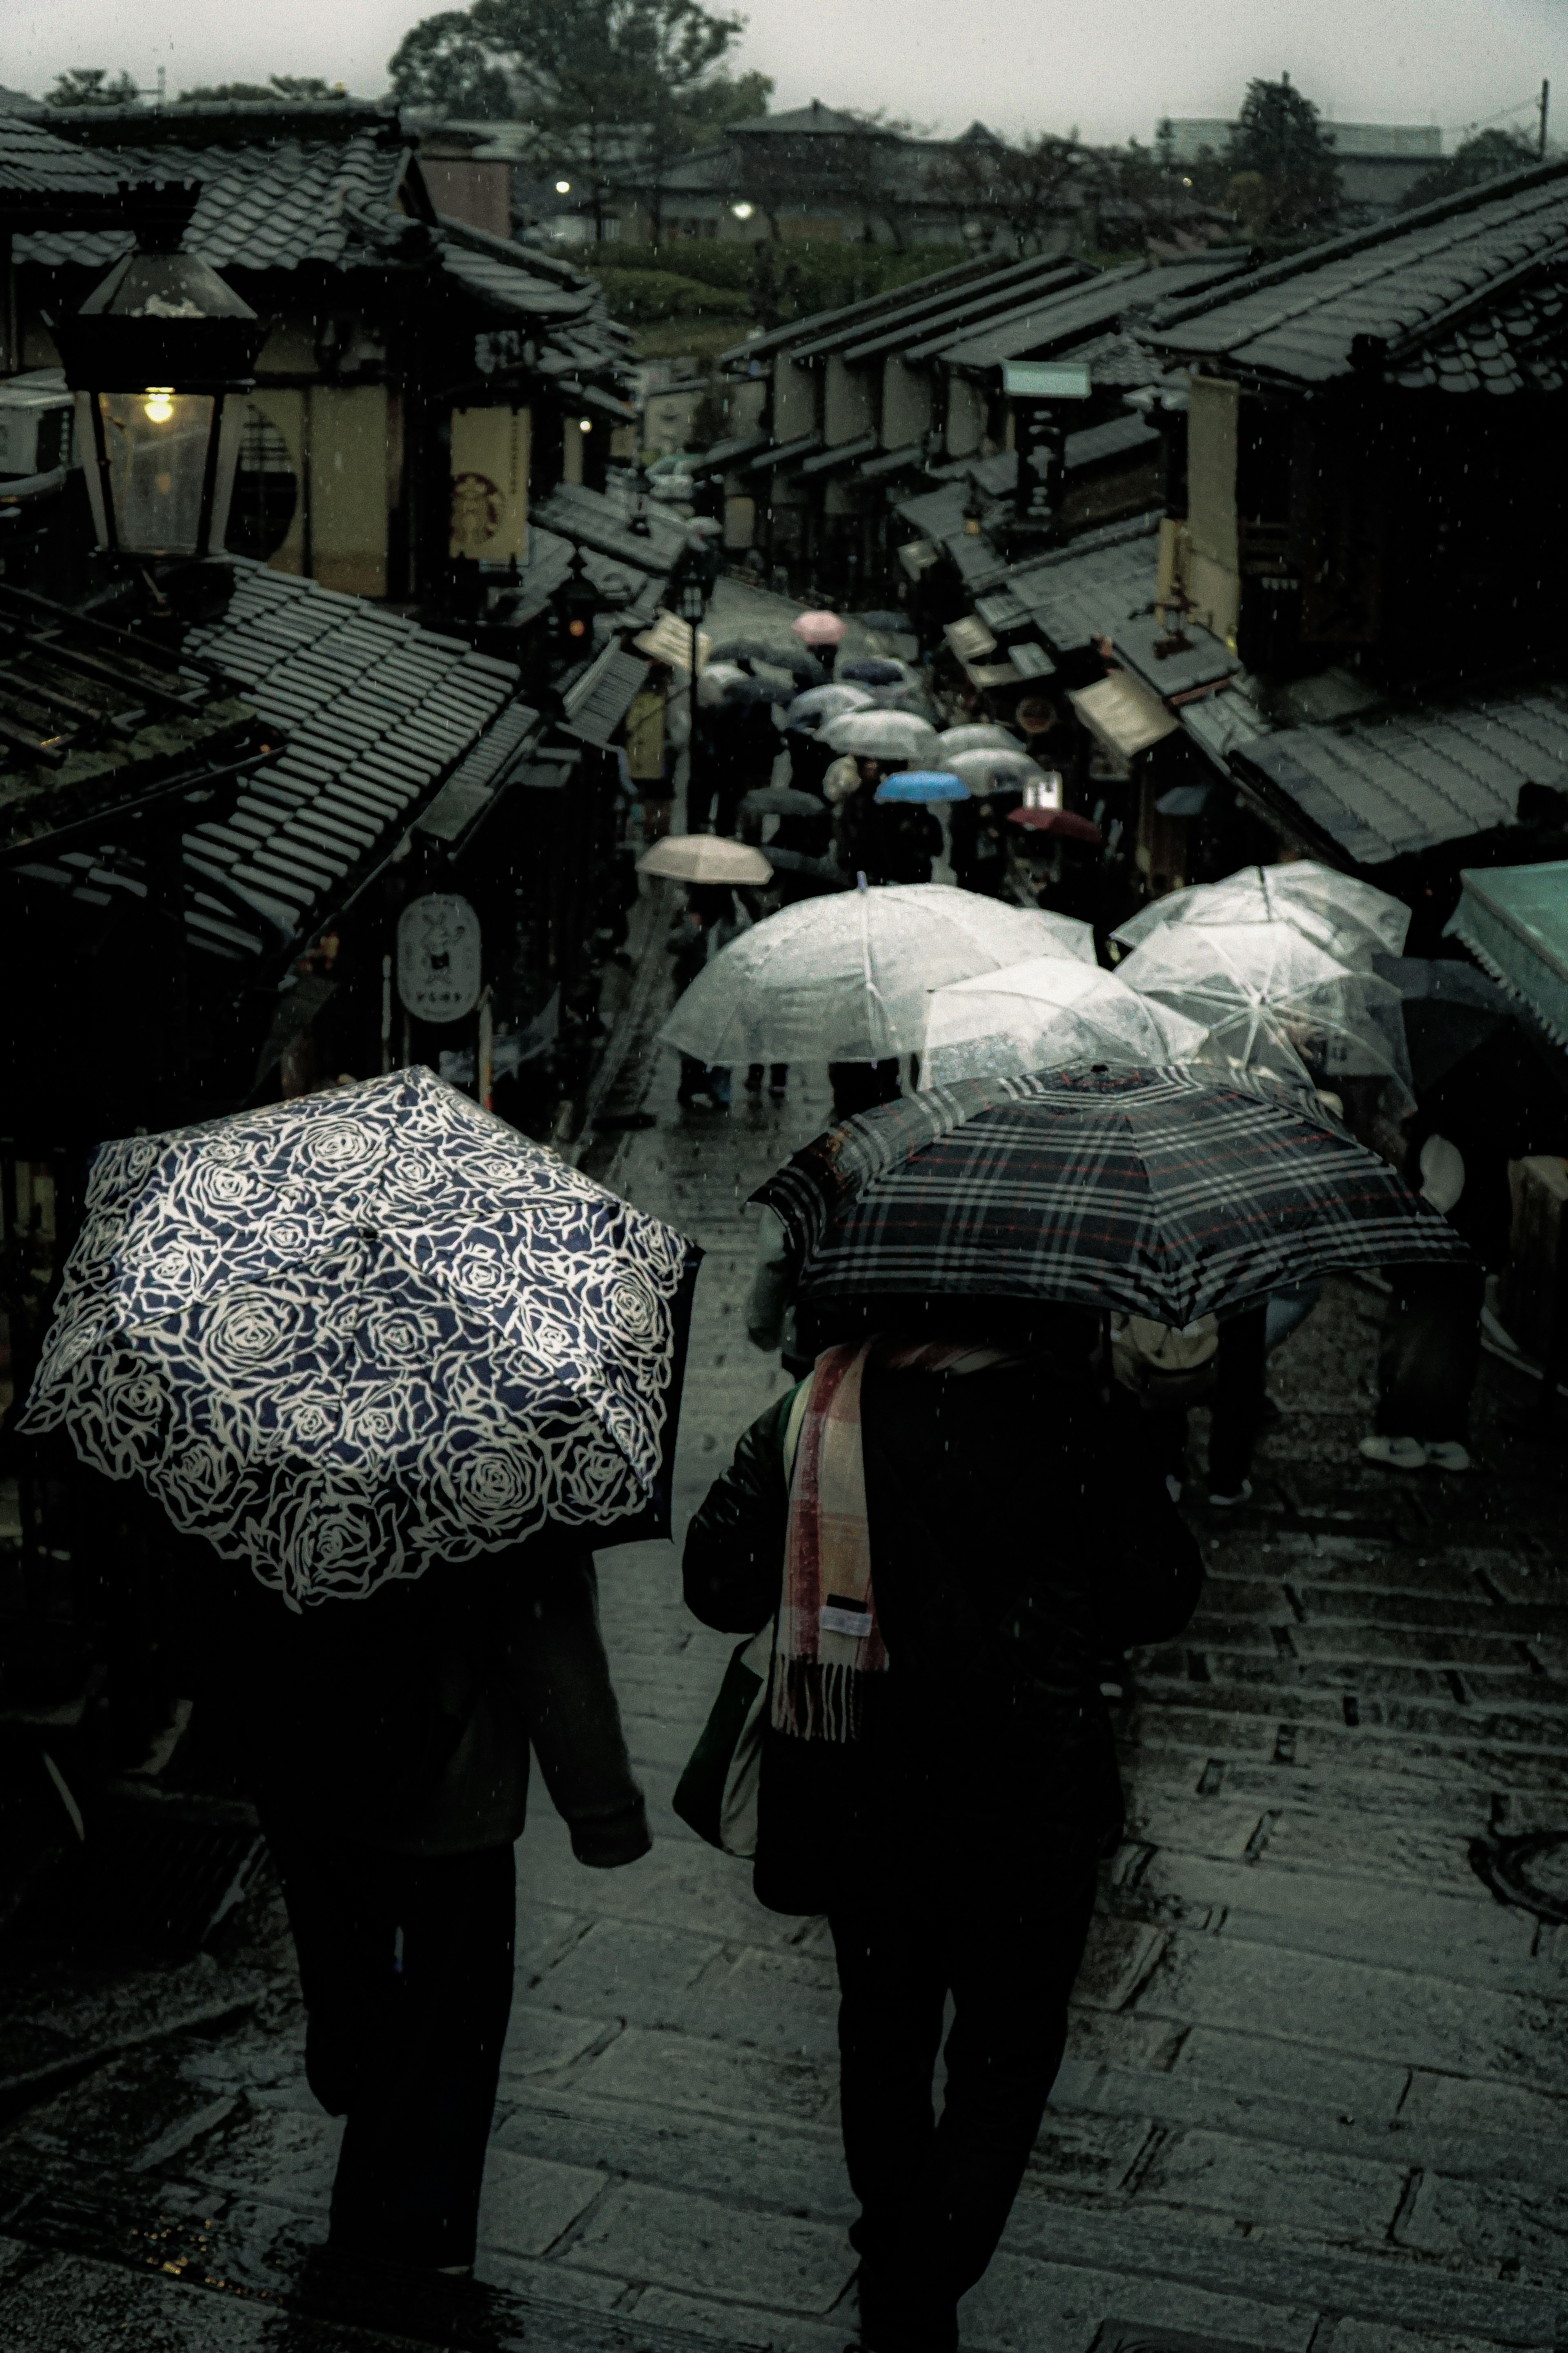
{"x":160,"y":358}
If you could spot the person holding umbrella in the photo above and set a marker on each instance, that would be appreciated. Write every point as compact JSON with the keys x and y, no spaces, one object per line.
{"x":391,"y":1370}
{"x":936,"y":1769}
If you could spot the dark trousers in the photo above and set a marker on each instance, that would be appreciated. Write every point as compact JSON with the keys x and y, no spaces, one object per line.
{"x":934,"y":2197}
{"x":1430,"y":1348}
{"x":1236,"y":1403}
{"x":406,"y":1967}
{"x":861,"y":1086}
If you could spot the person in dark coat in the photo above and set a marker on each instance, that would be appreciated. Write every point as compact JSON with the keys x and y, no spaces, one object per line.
{"x":947,"y":1800}
{"x":385,"y":1742}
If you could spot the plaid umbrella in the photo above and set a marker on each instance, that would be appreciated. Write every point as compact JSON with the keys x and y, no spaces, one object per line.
{"x":1152,"y":1190}
{"x":350,"y":1335}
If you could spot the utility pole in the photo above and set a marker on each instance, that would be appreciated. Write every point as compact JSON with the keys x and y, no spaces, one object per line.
{"x":1545,"y":99}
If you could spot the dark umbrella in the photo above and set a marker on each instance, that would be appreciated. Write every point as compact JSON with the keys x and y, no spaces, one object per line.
{"x":1158,"y":1191}
{"x":895,"y":623}
{"x":1450,"y":1010}
{"x":779,"y":652}
{"x":782,"y":800}
{"x":872,"y":670}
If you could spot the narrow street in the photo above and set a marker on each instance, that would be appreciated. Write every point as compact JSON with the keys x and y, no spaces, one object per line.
{"x":1317,"y":2082}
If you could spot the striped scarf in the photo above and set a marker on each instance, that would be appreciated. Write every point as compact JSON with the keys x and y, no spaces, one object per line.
{"x":829,"y":1640}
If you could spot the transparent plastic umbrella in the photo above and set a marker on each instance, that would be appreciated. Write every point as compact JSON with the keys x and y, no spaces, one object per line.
{"x":845,"y":979}
{"x":980,"y":737}
{"x":1272,"y":1001}
{"x":883,"y":735}
{"x":706,"y":858}
{"x":991,"y":771}
{"x":819,"y":704}
{"x":1043,"y":1015}
{"x":1349,"y":919}
{"x":723,"y":685}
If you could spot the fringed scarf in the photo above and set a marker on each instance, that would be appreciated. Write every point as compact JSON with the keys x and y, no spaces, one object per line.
{"x":829,"y":1642}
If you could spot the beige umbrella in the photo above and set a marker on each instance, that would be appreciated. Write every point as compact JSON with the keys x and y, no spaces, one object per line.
{"x":705,"y":857}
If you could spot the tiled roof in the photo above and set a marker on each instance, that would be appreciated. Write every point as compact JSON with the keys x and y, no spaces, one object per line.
{"x":377,"y":713}
{"x":600,"y":520}
{"x":33,"y":163}
{"x":514,"y":278}
{"x":633,"y":593}
{"x":1052,"y":320}
{"x":1088,"y":589}
{"x":934,"y":327}
{"x":906,"y":313}
{"x":1391,"y":787}
{"x":598,"y":701}
{"x":1399,"y":298}
{"x":267,"y":203}
{"x":850,"y":316}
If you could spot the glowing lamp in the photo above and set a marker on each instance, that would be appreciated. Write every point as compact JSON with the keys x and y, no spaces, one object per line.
{"x":159,"y":357}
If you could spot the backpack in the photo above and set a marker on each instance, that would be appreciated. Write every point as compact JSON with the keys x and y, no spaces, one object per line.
{"x":1166,"y":1369}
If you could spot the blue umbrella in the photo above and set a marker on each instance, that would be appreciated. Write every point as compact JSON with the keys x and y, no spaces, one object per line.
{"x":923,"y":785}
{"x":873,"y":669}
{"x":350,"y":1335}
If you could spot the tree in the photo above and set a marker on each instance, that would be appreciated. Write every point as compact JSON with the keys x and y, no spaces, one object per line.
{"x":1485,"y":157}
{"x":1026,"y":189}
{"x":240,"y":93}
{"x":1284,"y":179}
{"x":90,"y":86}
{"x":443,"y":63}
{"x":708,"y":111}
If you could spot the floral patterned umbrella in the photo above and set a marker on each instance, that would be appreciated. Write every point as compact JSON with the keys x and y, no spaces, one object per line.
{"x":350,"y":1335}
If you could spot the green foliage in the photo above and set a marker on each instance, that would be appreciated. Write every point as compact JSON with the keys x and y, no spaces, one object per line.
{"x":707,"y":112}
{"x":442,"y":62}
{"x":91,"y":86}
{"x":1284,"y":180}
{"x":643,"y":298}
{"x":576,"y":69}
{"x":289,"y":86}
{"x":1485,"y":157}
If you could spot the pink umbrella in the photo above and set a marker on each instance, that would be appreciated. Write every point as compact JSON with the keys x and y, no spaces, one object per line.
{"x":817,"y":628}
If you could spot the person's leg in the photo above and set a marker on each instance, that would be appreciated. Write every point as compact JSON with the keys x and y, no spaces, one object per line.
{"x":1238,"y":1401}
{"x":778,"y":1078}
{"x":1011,"y":1980}
{"x":754,"y":1079}
{"x":718,"y":1084}
{"x":412,"y":2155}
{"x":1429,"y":1353}
{"x":892,"y":1988}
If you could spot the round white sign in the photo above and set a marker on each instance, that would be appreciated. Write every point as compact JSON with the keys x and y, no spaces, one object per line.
{"x":438,"y":968}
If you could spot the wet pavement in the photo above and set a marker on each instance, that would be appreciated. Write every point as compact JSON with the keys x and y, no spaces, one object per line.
{"x":1318,"y":2078}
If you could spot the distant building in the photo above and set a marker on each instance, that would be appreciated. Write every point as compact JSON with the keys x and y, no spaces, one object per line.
{"x":1379,"y":162}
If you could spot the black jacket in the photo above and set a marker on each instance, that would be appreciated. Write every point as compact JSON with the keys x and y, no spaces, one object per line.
{"x":1017,"y":1540}
{"x":404,"y":1722}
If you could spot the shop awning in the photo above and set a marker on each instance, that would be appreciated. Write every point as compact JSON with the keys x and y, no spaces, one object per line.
{"x":1514,"y":921}
{"x":1123,"y":715}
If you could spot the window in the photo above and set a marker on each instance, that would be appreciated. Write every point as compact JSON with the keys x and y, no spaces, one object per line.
{"x":266,"y":489}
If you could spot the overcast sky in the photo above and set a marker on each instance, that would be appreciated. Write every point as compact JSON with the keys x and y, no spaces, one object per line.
{"x":1020,"y":65}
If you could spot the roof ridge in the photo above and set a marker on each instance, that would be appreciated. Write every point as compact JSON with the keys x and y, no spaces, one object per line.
{"x":1316,"y":256}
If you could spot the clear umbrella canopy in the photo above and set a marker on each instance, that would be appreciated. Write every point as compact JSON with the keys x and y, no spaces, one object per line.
{"x":1272,"y":1001}
{"x":1349,"y":920}
{"x":980,"y":737}
{"x":845,"y":979}
{"x":988,"y":770}
{"x":884,"y":735}
{"x":819,"y":704}
{"x":1043,"y":1015}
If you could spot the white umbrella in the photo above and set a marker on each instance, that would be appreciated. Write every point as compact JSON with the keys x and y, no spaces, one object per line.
{"x":845,"y":979}
{"x":1042,"y":1016}
{"x":980,"y":737}
{"x":883,"y":735}
{"x":1349,"y":920}
{"x":989,"y":771}
{"x":819,"y":704}
{"x":705,"y":857}
{"x":1272,"y":1001}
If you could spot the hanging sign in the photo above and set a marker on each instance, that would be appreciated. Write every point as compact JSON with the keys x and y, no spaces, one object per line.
{"x":438,"y":957}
